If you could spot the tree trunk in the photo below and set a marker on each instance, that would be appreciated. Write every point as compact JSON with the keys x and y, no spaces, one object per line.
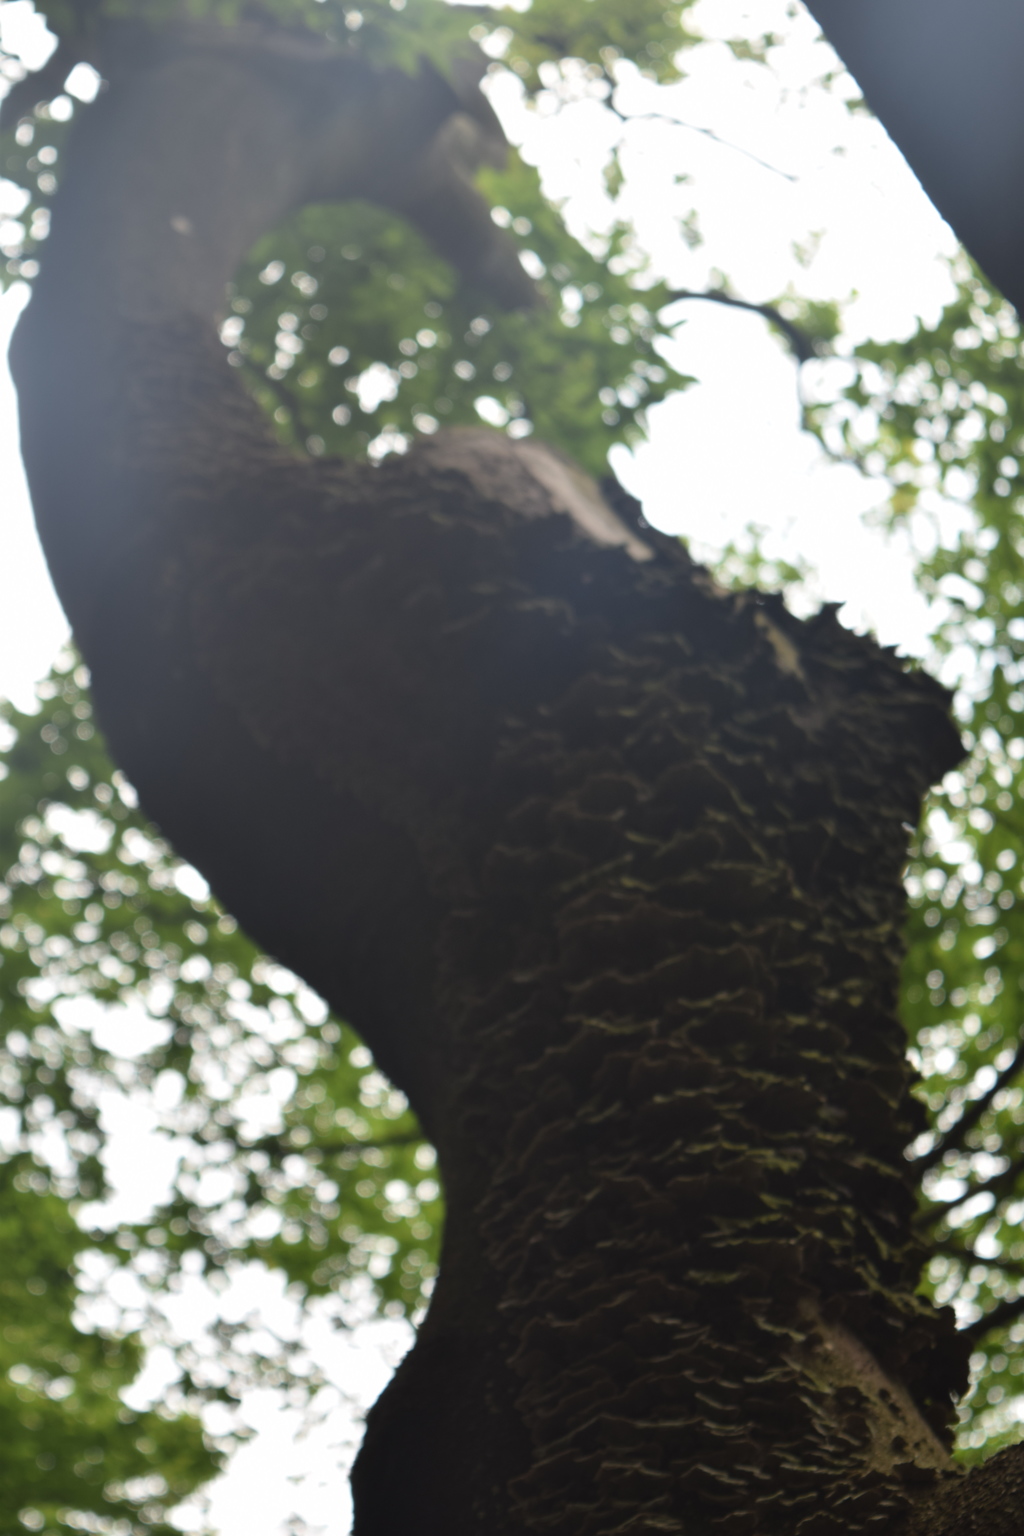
{"x":603,"y":862}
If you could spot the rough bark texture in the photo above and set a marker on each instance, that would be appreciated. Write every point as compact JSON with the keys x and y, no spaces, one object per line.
{"x":604,"y":863}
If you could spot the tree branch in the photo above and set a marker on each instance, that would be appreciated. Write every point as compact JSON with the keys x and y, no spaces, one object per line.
{"x":968,"y":1256}
{"x":1001,"y":1184}
{"x":801,"y":345}
{"x":953,"y":1138}
{"x":1006,"y":1312}
{"x":283,"y":1145}
{"x":707,"y":133}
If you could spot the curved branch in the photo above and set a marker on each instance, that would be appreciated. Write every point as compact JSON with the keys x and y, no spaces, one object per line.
{"x":802,"y":346}
{"x":678,"y":122}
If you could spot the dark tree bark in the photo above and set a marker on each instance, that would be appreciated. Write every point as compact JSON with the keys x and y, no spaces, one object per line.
{"x":604,"y":862}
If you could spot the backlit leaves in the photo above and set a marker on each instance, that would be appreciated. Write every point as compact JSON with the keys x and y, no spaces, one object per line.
{"x":355,"y":336}
{"x":75,"y":1457}
{"x":597,"y":32}
{"x":940,"y":416}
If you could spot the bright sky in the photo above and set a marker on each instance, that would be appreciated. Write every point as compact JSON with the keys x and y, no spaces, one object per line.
{"x":802,"y":171}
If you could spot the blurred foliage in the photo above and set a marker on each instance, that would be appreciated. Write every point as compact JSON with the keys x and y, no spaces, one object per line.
{"x":29,"y":156}
{"x":355,"y":336}
{"x":743,"y":564}
{"x":402,"y":32}
{"x":74,"y":1455}
{"x":941,"y":416}
{"x":596,"y":32}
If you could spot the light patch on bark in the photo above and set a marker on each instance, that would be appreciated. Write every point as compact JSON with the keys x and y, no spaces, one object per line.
{"x":533,"y":478}
{"x":837,"y":1362}
{"x":787,"y":656}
